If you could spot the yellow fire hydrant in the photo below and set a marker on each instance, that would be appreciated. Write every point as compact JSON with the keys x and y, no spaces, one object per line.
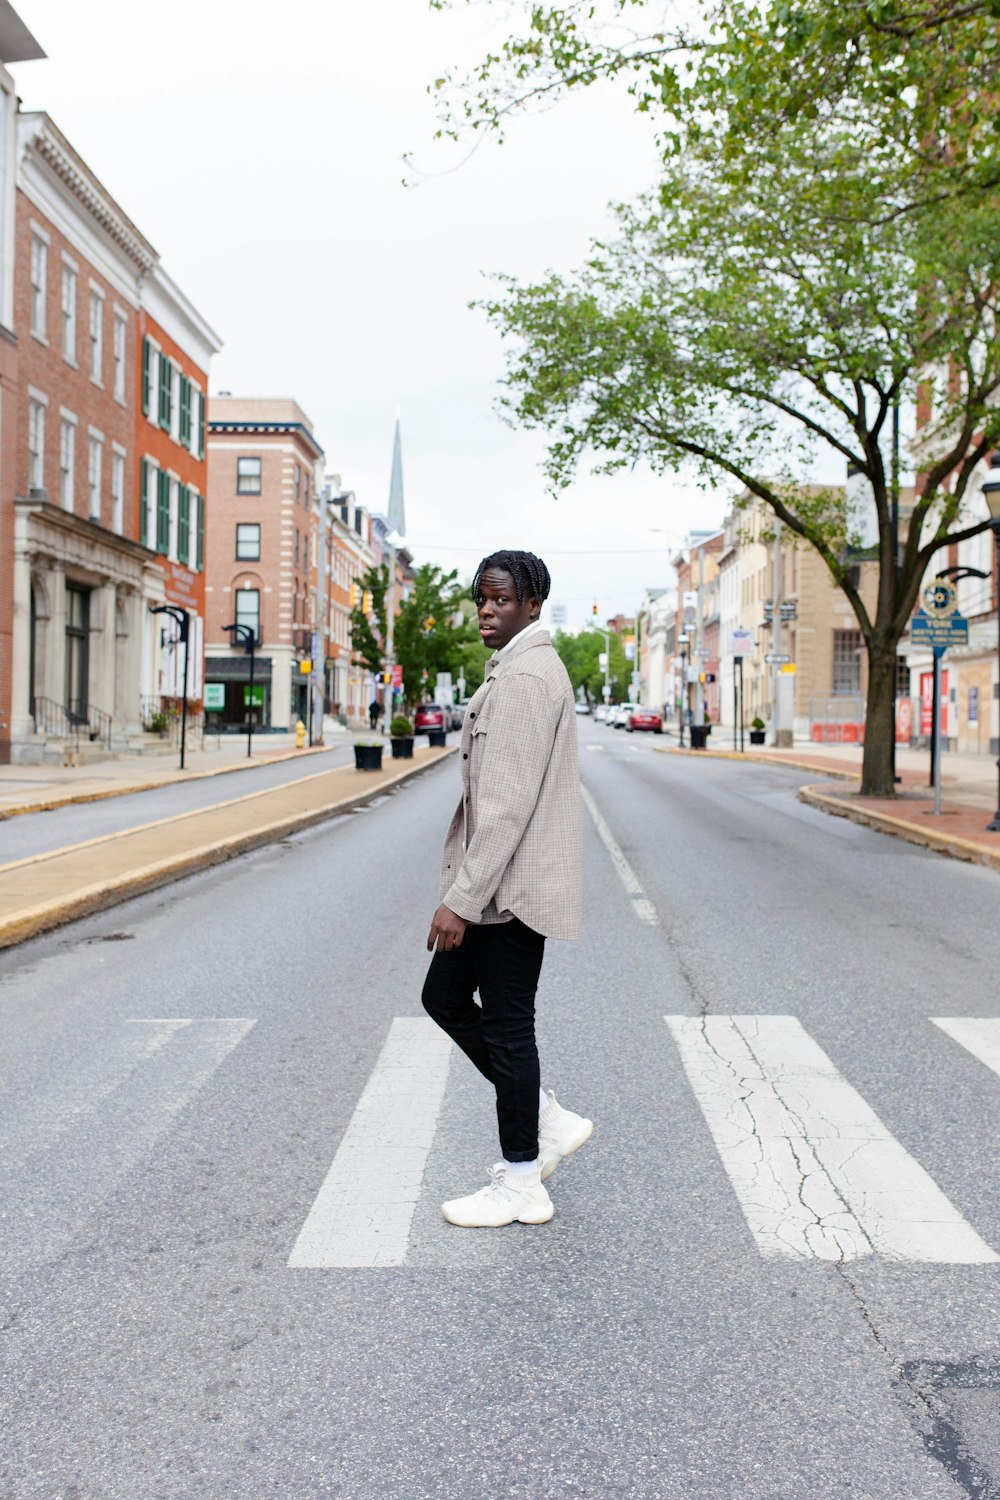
{"x":300,"y":735}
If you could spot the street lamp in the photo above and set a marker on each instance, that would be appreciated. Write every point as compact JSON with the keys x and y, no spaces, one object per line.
{"x":248,"y":636}
{"x":682,"y":641}
{"x":183,"y":633}
{"x":991,"y":494}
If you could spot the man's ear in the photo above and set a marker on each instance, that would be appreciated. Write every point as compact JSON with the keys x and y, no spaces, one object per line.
{"x":535,"y":605}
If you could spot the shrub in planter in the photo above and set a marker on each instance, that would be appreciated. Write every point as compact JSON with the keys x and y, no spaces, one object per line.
{"x":758,"y":731}
{"x":401,"y":738}
{"x":368,"y":755}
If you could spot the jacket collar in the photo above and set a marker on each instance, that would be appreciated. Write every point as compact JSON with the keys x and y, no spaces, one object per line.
{"x":536,"y":638}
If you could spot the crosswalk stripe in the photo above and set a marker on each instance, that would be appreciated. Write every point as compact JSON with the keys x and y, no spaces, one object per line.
{"x":641,"y":905}
{"x":977,"y":1035}
{"x":815,"y":1171}
{"x":363,"y":1211}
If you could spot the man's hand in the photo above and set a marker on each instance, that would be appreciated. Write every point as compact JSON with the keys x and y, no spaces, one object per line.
{"x":447,"y":930}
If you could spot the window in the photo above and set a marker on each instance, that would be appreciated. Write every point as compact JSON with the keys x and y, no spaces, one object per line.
{"x":94,"y":457}
{"x":247,"y":542}
{"x":847,"y":662}
{"x":185,"y":404}
{"x":67,"y":461}
{"x":149,"y":487}
{"x":248,"y":610}
{"x":148,"y":377}
{"x":119,"y":358}
{"x":77,"y":650}
{"x":162,"y":512}
{"x":36,"y":445}
{"x":69,"y":313}
{"x":183,"y":524}
{"x":118,"y":490}
{"x":297,"y":563}
{"x":96,"y":337}
{"x":39,"y":277}
{"x":248,"y":476}
{"x":165,"y":406}
{"x":902,"y":677}
{"x":298,"y":484}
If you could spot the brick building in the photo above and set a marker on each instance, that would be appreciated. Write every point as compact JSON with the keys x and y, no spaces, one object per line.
{"x":262,"y":547}
{"x":84,"y":648}
{"x":170,"y":474}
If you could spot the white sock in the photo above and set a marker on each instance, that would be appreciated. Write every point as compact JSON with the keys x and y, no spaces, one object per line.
{"x":543,"y":1101}
{"x":521,"y":1168}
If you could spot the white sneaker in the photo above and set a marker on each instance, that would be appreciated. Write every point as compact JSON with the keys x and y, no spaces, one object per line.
{"x":560,"y":1133}
{"x":504,"y":1199}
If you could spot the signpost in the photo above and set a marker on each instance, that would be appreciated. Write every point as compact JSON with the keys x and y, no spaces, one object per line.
{"x":938,"y":624}
{"x":740,"y":645}
{"x":215,"y":697}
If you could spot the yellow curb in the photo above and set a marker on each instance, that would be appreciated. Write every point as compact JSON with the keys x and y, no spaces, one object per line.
{"x":50,"y":804}
{"x":761,"y":758}
{"x":87,"y":900}
{"x":913,"y":833}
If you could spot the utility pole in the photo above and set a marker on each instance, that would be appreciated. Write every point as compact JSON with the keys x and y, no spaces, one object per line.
{"x":699,"y":652}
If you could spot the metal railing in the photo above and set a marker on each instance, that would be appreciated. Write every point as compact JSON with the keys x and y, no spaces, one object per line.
{"x":73,"y":721}
{"x":160,"y":715}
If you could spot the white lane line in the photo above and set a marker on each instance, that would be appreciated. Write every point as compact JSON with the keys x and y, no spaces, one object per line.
{"x":363,"y":1211}
{"x":981,"y":1037}
{"x":641,"y":904}
{"x":816,"y":1172}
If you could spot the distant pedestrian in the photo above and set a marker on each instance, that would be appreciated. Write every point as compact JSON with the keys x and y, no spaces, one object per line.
{"x":374,"y":709}
{"x":510,"y":878}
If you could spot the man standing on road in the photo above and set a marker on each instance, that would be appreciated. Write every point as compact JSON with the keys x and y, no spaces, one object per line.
{"x":510,"y":878}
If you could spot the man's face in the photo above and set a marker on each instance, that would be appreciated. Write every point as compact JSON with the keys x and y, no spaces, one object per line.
{"x":501,"y":617}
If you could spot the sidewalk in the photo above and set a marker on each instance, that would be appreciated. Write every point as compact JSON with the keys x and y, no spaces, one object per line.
{"x":968,"y":794}
{"x":42,"y":788}
{"x":46,"y":890}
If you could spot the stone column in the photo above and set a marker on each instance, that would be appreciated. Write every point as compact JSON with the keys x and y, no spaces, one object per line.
{"x":101,"y":686}
{"x":22,"y":725}
{"x":54,"y":686}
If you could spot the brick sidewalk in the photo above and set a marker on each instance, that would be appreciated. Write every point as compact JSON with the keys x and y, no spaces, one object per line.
{"x":46,"y":890}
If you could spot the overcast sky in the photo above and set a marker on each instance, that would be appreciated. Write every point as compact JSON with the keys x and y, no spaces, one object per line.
{"x":259,"y":147}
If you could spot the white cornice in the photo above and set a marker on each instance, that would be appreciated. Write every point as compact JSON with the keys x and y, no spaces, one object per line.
{"x":42,"y":141}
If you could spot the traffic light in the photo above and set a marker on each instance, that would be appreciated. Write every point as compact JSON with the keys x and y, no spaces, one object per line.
{"x":352,"y":596}
{"x":594,"y":611}
{"x":386,"y":677}
{"x":366,"y":602}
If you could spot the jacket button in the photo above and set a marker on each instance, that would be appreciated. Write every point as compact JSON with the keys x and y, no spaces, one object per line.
{"x":472,"y":716}
{"x":465,"y":754}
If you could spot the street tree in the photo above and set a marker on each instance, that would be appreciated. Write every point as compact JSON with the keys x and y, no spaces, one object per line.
{"x":368,"y":628}
{"x":580,"y":656}
{"x":793,"y":281}
{"x":429,"y":630}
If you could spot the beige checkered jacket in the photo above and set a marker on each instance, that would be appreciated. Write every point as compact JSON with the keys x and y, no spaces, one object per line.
{"x":514,"y":845}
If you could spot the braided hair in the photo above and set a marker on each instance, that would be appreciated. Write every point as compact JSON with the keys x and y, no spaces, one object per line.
{"x":529,"y":573}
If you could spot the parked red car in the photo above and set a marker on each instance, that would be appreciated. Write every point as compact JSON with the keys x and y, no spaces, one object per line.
{"x":428,"y":716}
{"x":644,"y":718}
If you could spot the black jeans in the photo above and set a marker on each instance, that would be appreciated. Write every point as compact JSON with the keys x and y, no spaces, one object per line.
{"x":503,"y":961}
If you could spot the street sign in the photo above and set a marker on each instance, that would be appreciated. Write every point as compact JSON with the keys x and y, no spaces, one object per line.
{"x":257,"y":700}
{"x":775,"y":660}
{"x":215,"y":696}
{"x":939,"y":598}
{"x":397,"y":675}
{"x":940,"y":630}
{"x":741,"y":643}
{"x":691,"y":599}
{"x":559,"y":614}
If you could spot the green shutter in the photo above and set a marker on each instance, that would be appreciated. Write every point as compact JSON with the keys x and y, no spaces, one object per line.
{"x":199,"y":561}
{"x":166,"y":374}
{"x":201,"y":424}
{"x":147,"y":391}
{"x":143,"y":502}
{"x":183,"y":524}
{"x":163,"y":512}
{"x":185,"y":428}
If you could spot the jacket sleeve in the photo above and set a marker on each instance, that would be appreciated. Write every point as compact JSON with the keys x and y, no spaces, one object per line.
{"x":519,"y":739}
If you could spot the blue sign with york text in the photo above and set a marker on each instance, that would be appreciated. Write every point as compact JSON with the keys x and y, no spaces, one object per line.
{"x":939,"y":631}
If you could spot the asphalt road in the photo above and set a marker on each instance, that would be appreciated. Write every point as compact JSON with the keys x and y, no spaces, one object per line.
{"x":180,"y":1076}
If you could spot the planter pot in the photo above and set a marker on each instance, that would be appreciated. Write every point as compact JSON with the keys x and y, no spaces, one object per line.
{"x":368,"y":757}
{"x":436,"y":737}
{"x":758,"y":736}
{"x":402,"y":748}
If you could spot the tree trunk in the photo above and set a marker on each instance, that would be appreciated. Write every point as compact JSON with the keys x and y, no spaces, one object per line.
{"x":877,"y":779}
